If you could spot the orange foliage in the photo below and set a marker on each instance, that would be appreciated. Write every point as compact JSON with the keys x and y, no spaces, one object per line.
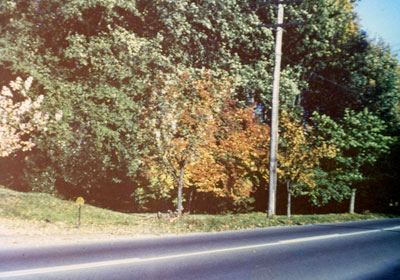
{"x":243,"y":149}
{"x":201,"y":132}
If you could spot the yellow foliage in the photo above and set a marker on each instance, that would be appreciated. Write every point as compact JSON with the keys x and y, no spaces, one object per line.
{"x":201,"y":129}
{"x":297,"y":156}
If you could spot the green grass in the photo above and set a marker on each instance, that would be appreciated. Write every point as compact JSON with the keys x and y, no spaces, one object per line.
{"x":43,"y":213}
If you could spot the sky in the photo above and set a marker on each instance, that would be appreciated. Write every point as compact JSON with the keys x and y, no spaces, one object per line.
{"x":381,"y":19}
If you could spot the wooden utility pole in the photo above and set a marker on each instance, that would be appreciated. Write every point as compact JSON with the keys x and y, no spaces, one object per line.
{"x":352,"y":201}
{"x":273,"y":163}
{"x":275,"y":117}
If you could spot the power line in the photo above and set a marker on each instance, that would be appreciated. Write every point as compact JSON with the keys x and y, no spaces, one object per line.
{"x":318,"y":75}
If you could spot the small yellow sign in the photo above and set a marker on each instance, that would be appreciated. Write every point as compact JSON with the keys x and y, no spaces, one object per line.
{"x":80,"y":201}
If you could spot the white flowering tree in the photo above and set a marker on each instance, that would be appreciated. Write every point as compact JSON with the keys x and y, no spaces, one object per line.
{"x":19,"y":117}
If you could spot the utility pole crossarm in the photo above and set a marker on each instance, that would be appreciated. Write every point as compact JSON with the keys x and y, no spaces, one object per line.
{"x":281,"y":25}
{"x":276,"y":2}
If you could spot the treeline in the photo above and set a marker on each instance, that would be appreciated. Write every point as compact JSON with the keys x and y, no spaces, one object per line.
{"x":157,"y":105}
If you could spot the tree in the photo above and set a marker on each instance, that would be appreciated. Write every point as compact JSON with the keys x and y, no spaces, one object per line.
{"x":85,"y":60}
{"x":341,"y":66}
{"x":360,"y":140}
{"x":98,"y":61}
{"x":243,"y":151}
{"x":299,"y":156}
{"x":20,"y":116}
{"x":184,"y":127}
{"x":323,"y":46}
{"x":207,"y":143}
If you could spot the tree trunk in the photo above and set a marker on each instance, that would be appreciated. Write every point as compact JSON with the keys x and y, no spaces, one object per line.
{"x":180,"y":188}
{"x":191,"y":199}
{"x":289,"y":200}
{"x":352,"y":201}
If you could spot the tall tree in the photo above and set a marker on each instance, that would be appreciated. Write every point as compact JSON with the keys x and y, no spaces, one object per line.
{"x":327,"y":37}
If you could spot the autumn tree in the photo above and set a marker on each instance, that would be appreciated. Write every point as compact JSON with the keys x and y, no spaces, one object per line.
{"x":298,"y":156}
{"x":243,"y":151}
{"x":206,"y":142}
{"x":183,"y":128}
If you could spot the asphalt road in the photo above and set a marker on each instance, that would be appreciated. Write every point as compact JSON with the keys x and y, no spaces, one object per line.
{"x":360,"y":250}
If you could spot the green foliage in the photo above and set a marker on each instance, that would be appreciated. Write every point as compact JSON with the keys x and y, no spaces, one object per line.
{"x":100,"y":61}
{"x":341,"y":68}
{"x":223,"y":36}
{"x":360,"y":139}
{"x":99,"y":73}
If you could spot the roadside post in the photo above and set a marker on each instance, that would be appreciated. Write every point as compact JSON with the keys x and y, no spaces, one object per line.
{"x":80,"y":202}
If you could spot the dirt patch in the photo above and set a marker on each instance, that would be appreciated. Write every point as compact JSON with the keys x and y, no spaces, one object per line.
{"x":19,"y":233}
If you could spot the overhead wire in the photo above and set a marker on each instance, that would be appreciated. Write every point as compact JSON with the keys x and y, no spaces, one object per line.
{"x":318,"y":75}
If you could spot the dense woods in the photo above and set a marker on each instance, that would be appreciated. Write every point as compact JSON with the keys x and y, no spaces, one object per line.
{"x":144,"y":106}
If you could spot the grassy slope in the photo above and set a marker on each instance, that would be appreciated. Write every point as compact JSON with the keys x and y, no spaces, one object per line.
{"x":36,"y":213}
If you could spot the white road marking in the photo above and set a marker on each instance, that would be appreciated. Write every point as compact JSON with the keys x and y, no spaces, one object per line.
{"x":64,"y":268}
{"x":305,"y":239}
{"x":392,"y":228}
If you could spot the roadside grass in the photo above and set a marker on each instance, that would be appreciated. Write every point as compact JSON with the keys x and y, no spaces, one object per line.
{"x":43,"y":214}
